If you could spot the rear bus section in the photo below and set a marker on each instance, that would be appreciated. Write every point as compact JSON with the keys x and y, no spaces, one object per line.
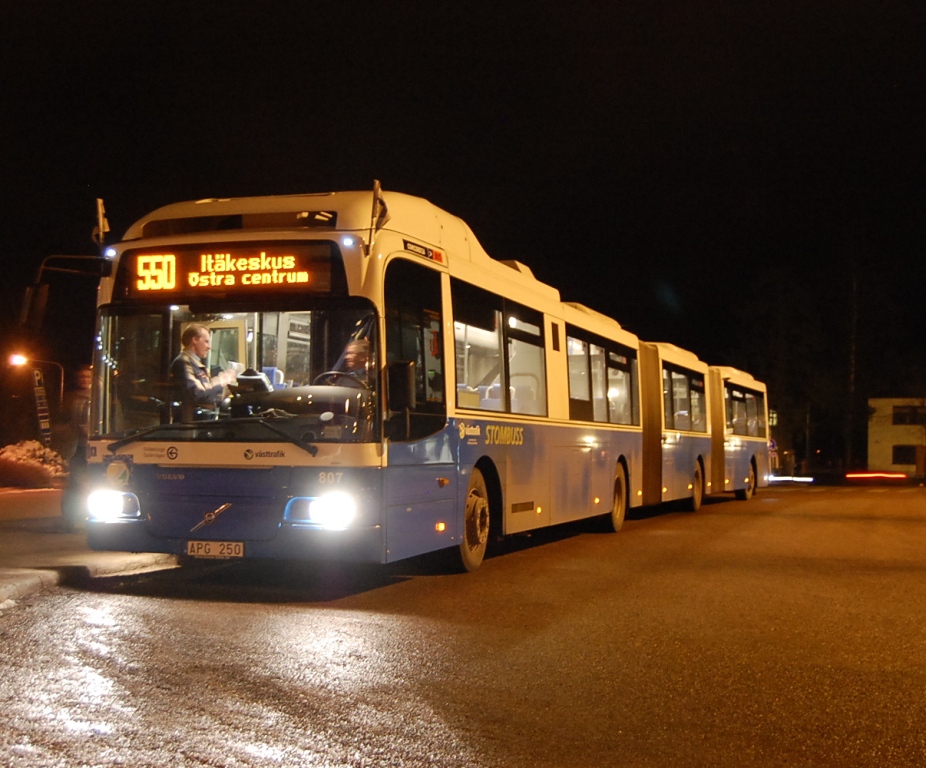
{"x":676,"y":428}
{"x":739,"y":424}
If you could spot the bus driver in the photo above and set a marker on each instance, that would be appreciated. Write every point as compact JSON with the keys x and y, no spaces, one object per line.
{"x":356,"y":358}
{"x":188,"y":371}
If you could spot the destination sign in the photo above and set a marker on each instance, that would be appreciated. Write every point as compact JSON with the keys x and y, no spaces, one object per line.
{"x":423,"y":250}
{"x":242,"y":268}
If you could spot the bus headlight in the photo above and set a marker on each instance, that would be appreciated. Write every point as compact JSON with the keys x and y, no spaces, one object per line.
{"x":108,"y":506}
{"x":334,"y":511}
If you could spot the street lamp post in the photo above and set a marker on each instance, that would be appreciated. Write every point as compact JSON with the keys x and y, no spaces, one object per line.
{"x":20,"y":360}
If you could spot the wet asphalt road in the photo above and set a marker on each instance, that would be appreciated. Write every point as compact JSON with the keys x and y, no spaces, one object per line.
{"x":785,"y":630}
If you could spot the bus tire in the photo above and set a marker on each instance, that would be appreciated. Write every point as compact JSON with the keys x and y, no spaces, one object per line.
{"x":750,"y":490}
{"x":615,"y":520}
{"x":697,"y":490}
{"x":476,"y":517}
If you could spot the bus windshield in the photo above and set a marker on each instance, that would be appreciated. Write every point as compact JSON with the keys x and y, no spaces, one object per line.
{"x":303,"y":375}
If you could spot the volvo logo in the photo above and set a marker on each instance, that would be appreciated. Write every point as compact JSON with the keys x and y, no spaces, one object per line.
{"x":209,"y":517}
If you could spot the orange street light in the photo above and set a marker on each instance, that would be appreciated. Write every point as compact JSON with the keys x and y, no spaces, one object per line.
{"x":21,"y":360}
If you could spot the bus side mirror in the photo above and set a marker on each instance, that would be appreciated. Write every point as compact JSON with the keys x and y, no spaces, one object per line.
{"x":400,"y":379}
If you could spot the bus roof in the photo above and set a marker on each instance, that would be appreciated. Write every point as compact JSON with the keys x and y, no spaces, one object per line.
{"x":673,"y":354}
{"x":590,"y":320}
{"x":738,"y":377}
{"x":352,"y":211}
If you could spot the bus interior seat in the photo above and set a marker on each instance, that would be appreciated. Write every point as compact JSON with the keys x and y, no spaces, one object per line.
{"x":524,"y":399}
{"x":492,"y":399}
{"x":468,"y":397}
{"x":275,"y":375}
{"x":620,"y":412}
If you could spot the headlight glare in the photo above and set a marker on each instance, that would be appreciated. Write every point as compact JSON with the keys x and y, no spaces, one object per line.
{"x":334,"y":511}
{"x":108,"y":506}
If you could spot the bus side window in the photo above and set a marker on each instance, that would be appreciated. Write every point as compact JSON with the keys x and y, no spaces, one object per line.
{"x":737,"y":417}
{"x":698,"y":406}
{"x":478,"y":344}
{"x":499,"y":351}
{"x":527,"y":374}
{"x":620,"y":392}
{"x":599,"y":383}
{"x":752,"y":415}
{"x":580,"y":399}
{"x":681,"y":399}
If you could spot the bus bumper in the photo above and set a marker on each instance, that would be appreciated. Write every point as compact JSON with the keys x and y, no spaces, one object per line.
{"x":292,"y":542}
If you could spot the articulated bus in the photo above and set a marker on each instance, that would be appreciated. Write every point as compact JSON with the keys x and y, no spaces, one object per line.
{"x":484,"y":406}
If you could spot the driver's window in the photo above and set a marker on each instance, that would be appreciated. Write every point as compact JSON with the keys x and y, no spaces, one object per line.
{"x":414,"y":334}
{"x":355,"y":358}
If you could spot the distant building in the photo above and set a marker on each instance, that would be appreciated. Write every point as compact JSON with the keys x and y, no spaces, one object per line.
{"x":897,"y":435}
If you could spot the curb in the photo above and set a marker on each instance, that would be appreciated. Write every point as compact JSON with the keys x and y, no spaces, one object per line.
{"x":17,"y":583}
{"x":17,"y":504}
{"x":39,"y":552}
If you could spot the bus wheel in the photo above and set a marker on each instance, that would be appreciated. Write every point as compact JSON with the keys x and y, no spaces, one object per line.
{"x":697,"y":490}
{"x":475,"y":523}
{"x":619,"y":502}
{"x":750,"y":490}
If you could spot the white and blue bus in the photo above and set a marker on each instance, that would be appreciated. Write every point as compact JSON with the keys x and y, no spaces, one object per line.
{"x":677,"y":431}
{"x":484,"y":406}
{"x":739,"y":424}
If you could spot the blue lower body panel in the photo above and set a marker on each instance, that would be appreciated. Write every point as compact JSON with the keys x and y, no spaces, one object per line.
{"x":291,"y":542}
{"x":252,"y":513}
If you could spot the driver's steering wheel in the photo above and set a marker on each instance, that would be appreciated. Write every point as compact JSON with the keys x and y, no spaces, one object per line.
{"x":330,"y":377}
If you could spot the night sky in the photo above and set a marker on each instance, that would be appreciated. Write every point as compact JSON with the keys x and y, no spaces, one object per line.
{"x":745,"y":179}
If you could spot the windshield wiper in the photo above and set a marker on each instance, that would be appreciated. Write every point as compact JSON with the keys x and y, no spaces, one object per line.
{"x":310,"y":448}
{"x":140,"y":433}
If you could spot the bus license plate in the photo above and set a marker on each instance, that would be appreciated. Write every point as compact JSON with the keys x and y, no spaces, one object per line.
{"x":215,"y":549}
